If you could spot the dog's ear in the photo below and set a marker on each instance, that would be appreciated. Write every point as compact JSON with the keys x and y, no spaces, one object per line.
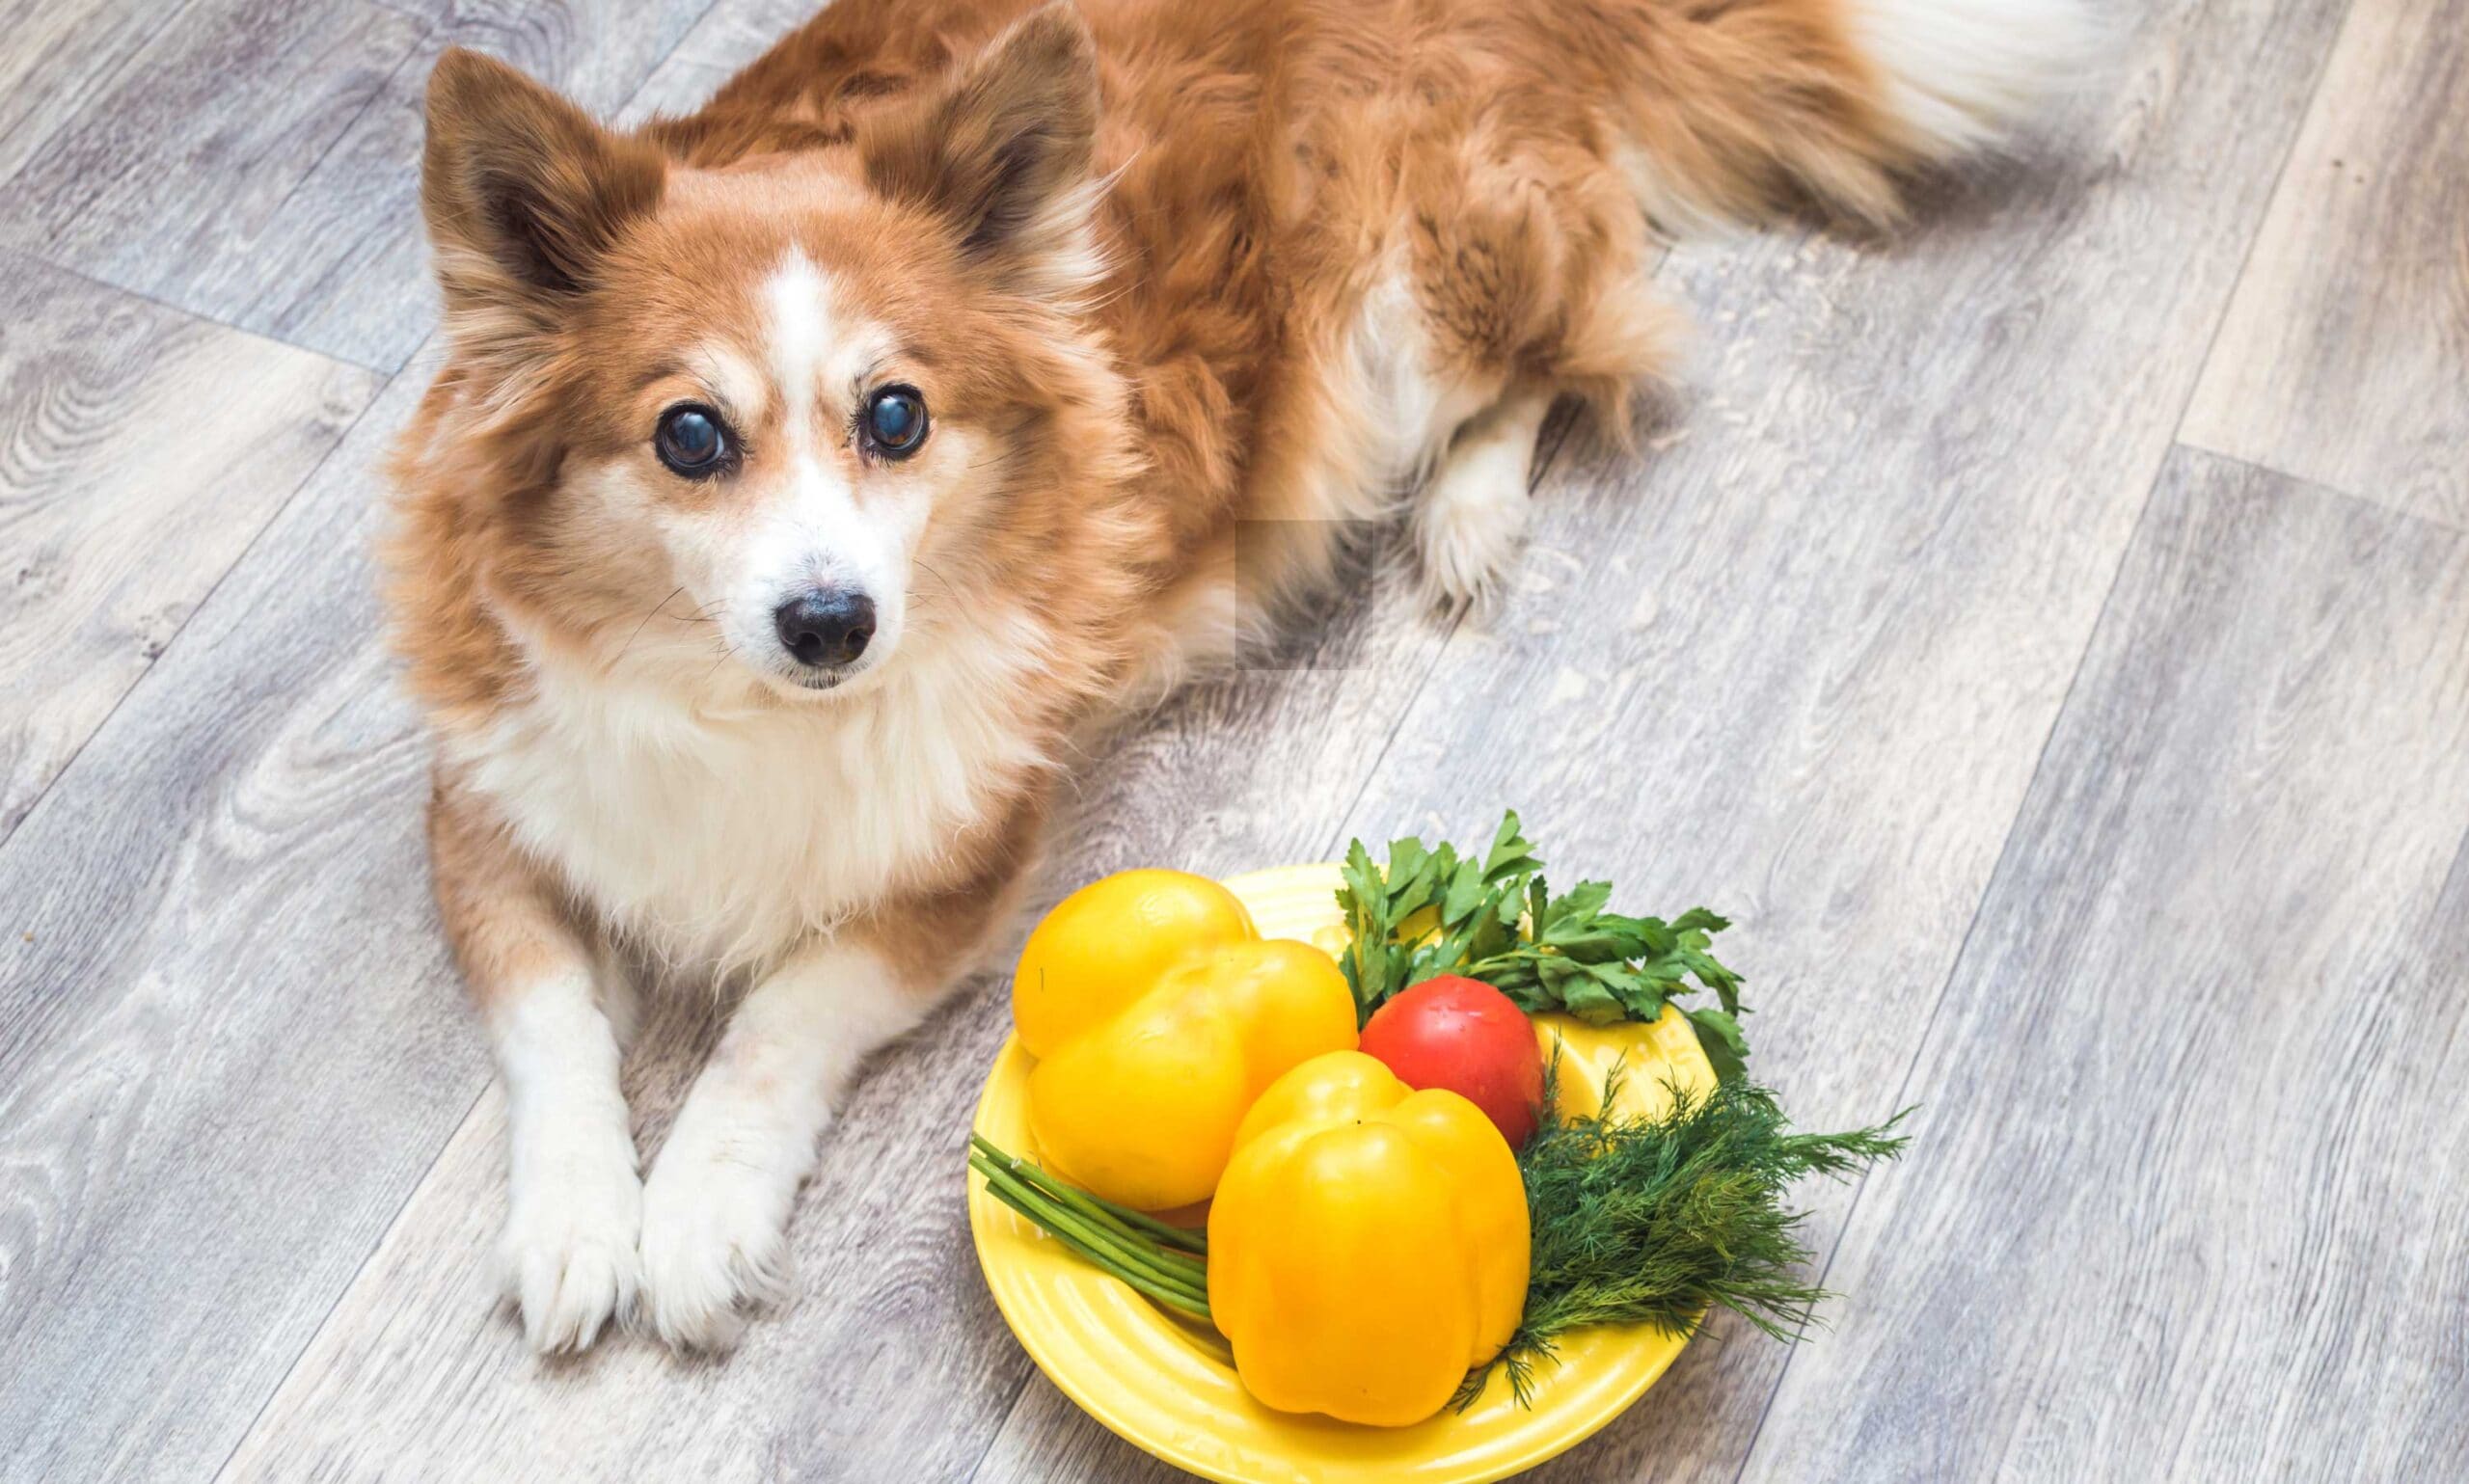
{"x":1001,"y":149}
{"x":525,"y":194}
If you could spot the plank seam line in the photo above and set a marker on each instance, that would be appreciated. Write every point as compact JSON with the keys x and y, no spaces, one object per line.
{"x":274,"y":518}
{"x":1989,"y":890}
{"x":2263,"y":219}
{"x":376,"y":95}
{"x":43,"y":259}
{"x":1963,"y":949}
{"x":394,"y":1219}
{"x":315,"y":166}
{"x":2340,"y":491}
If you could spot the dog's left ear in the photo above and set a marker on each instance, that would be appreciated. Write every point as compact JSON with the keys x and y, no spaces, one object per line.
{"x":1002,"y":150}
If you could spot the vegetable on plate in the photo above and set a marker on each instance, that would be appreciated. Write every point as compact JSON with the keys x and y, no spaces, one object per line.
{"x":1140,"y":1104}
{"x":1433,"y":911}
{"x":1653,"y":1220}
{"x":1392,"y":1225}
{"x":1465,"y":1036}
{"x":1104,"y":947}
{"x":1368,"y":1246}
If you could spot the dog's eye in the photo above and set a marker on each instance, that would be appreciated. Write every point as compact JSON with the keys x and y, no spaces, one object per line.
{"x":692,"y":441}
{"x":895,"y":421}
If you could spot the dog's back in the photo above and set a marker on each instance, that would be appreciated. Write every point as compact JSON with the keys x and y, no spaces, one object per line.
{"x":1341,"y":245}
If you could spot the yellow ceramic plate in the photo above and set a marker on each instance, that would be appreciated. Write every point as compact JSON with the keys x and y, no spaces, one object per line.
{"x":1168,"y":1384}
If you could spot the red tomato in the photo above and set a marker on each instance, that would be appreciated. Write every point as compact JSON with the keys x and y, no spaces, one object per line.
{"x":1465,"y":1036}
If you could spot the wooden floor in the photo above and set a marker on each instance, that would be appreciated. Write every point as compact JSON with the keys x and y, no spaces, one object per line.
{"x":2046,"y":634}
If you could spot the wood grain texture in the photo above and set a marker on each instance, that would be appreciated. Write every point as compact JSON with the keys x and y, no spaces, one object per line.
{"x":2171,"y":1213}
{"x":733,"y":33}
{"x":2345,"y":358}
{"x":230,"y":1041}
{"x":891,"y":1360}
{"x":55,"y":56}
{"x":140,"y":452}
{"x":181,"y":177}
{"x":266,"y":791}
{"x":258,"y":163}
{"x":1798,"y":665}
{"x":675,"y":87}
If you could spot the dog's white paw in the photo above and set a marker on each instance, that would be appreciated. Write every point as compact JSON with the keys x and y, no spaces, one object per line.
{"x":715,"y":1246}
{"x":1473,"y":512}
{"x":568,"y":1255}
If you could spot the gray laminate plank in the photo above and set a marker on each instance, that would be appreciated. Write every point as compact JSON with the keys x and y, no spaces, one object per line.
{"x":2185,"y":1202}
{"x":2345,"y":358}
{"x":228,"y":1043}
{"x":891,"y":1361}
{"x":179,"y":178}
{"x":140,"y":452}
{"x":258,"y":163}
{"x":1799,"y":666}
{"x":53,"y":57}
{"x":735,"y":32}
{"x":676,"y":88}
{"x":347,"y":269}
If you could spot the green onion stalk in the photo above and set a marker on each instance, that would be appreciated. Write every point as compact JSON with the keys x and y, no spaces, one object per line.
{"x":1168,"y":1263}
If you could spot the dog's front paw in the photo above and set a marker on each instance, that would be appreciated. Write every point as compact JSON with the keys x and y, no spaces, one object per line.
{"x":568,"y":1256}
{"x":715,"y":1246}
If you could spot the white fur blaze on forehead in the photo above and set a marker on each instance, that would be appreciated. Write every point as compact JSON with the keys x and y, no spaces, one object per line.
{"x":798,"y":336}
{"x":813,"y":349}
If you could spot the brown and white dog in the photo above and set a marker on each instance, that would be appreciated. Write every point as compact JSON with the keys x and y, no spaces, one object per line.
{"x":807,"y":471}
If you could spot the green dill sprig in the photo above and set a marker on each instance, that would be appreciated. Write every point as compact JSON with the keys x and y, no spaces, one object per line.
{"x":1653,"y":1220}
{"x":1432,"y":912}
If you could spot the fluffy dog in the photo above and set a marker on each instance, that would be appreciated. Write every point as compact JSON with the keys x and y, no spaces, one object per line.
{"x":807,"y":471}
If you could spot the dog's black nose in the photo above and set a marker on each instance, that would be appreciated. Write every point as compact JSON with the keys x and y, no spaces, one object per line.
{"x":826,"y":624}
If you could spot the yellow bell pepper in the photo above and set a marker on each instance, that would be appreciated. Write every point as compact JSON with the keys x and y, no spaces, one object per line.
{"x":1104,"y":947}
{"x":1652,"y":1059}
{"x":1368,"y":1246}
{"x":1141,"y":1106}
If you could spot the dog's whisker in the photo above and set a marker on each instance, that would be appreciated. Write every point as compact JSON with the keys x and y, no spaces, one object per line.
{"x":647,"y":618}
{"x":941,"y":580}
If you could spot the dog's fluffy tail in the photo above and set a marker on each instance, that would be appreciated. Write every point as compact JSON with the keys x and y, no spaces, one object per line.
{"x":1742,"y":108}
{"x":1958,"y":75}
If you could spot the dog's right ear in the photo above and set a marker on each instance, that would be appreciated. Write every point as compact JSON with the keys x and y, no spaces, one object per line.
{"x":524,"y":192}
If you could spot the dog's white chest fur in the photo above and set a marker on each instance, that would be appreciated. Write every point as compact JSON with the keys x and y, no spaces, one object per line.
{"x":721,"y":839}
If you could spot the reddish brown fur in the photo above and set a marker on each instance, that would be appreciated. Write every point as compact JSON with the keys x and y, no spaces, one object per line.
{"x":1262,"y":154}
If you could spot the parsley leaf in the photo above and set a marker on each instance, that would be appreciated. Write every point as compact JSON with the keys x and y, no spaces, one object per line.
{"x":1430,"y":912}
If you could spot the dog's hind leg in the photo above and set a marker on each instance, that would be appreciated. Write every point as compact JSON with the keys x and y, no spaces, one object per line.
{"x":1524,"y":226}
{"x":1473,"y":510}
{"x":1529,"y":267}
